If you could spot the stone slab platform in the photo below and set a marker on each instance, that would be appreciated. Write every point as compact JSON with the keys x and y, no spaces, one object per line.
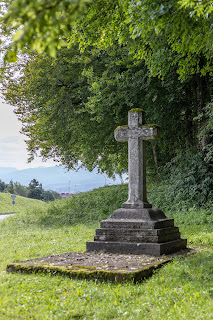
{"x":97,"y":266}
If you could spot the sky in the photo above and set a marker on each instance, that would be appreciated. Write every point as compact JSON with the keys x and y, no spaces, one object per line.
{"x":13,"y":151}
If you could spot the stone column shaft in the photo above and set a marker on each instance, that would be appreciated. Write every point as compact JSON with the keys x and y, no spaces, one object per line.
{"x":137,"y":197}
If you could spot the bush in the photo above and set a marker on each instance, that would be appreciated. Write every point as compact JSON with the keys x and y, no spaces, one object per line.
{"x":189,"y":180}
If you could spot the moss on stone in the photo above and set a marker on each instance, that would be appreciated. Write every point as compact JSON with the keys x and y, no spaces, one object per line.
{"x":137,"y":110}
{"x":152,"y":125}
{"x":83,"y":272}
{"x":124,"y":126}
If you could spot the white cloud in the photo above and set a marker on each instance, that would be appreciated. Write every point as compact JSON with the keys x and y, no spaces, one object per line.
{"x":9,"y":124}
{"x":13,"y":151}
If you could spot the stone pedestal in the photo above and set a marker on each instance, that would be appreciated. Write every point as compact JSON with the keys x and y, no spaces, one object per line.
{"x":137,"y":231}
{"x":137,"y":228}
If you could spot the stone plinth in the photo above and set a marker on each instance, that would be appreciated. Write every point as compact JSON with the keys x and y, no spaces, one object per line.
{"x":137,"y":228}
{"x":137,"y":231}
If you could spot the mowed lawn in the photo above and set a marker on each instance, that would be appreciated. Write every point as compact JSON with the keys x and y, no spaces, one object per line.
{"x":182,"y":289}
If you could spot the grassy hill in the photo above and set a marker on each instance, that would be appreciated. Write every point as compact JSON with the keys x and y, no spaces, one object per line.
{"x":21,"y":204}
{"x":181,"y":290}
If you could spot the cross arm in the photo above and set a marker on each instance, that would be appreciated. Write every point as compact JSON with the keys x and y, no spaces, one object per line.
{"x":121,"y":133}
{"x":144,"y":132}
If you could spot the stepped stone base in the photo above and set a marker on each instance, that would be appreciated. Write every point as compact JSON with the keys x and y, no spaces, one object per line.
{"x":155,"y":249}
{"x":137,"y":231}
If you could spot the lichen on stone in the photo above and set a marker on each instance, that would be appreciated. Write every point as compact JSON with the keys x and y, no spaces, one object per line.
{"x":124,"y":126}
{"x":137,"y":110}
{"x":149,"y":125}
{"x":152,"y":125}
{"x":102,"y":275}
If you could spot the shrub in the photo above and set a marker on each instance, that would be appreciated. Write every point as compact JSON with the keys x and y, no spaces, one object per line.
{"x":190,"y":180}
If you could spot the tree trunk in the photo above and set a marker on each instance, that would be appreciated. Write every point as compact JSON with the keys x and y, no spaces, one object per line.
{"x":202,"y":97}
{"x":154,"y":152}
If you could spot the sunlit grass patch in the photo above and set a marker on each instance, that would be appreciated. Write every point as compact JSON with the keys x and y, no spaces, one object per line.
{"x":21,"y":204}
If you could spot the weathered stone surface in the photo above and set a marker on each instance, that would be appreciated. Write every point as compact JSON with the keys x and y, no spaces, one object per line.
{"x":97,"y":266}
{"x":136,"y":235}
{"x":137,"y":248}
{"x":138,"y":214}
{"x":137,"y":228}
{"x":136,"y":133}
{"x":146,"y":232}
{"x":136,"y":224}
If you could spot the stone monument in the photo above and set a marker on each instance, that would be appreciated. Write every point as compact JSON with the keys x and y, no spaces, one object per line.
{"x":137,"y":228}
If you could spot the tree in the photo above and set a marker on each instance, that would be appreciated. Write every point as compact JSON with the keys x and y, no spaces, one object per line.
{"x":50,"y":101}
{"x":35,"y":190}
{"x":2,"y":186}
{"x":50,"y":195}
{"x":20,"y":190}
{"x":10,"y":187}
{"x":71,"y":104}
{"x":161,"y":33}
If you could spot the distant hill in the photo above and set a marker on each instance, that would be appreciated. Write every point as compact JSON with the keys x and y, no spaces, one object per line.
{"x":21,"y":204}
{"x":6,"y":170}
{"x":58,"y":178}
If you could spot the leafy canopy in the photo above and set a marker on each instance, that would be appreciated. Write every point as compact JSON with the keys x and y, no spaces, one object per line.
{"x":40,"y":25}
{"x":70,"y":106}
{"x":160,"y":32}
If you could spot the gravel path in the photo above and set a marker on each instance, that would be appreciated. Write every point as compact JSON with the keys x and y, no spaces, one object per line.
{"x":4,"y":216}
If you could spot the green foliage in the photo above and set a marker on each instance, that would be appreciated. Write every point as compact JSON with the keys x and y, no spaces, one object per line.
{"x":35,"y":190}
{"x":50,"y":195}
{"x":20,"y":190}
{"x":199,"y":7}
{"x":2,"y":186}
{"x":206,"y":132}
{"x":71,"y":105}
{"x":167,"y":33}
{"x":10,"y":187}
{"x":40,"y":24}
{"x":162,"y":33}
{"x":190,"y":180}
{"x":50,"y":100}
{"x":16,"y":188}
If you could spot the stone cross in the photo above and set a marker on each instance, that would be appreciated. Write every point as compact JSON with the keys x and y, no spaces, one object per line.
{"x":136,"y":133}
{"x":137,"y":228}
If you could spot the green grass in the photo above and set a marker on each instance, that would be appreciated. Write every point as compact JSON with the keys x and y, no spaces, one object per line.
{"x":21,"y":204}
{"x":183,"y":289}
